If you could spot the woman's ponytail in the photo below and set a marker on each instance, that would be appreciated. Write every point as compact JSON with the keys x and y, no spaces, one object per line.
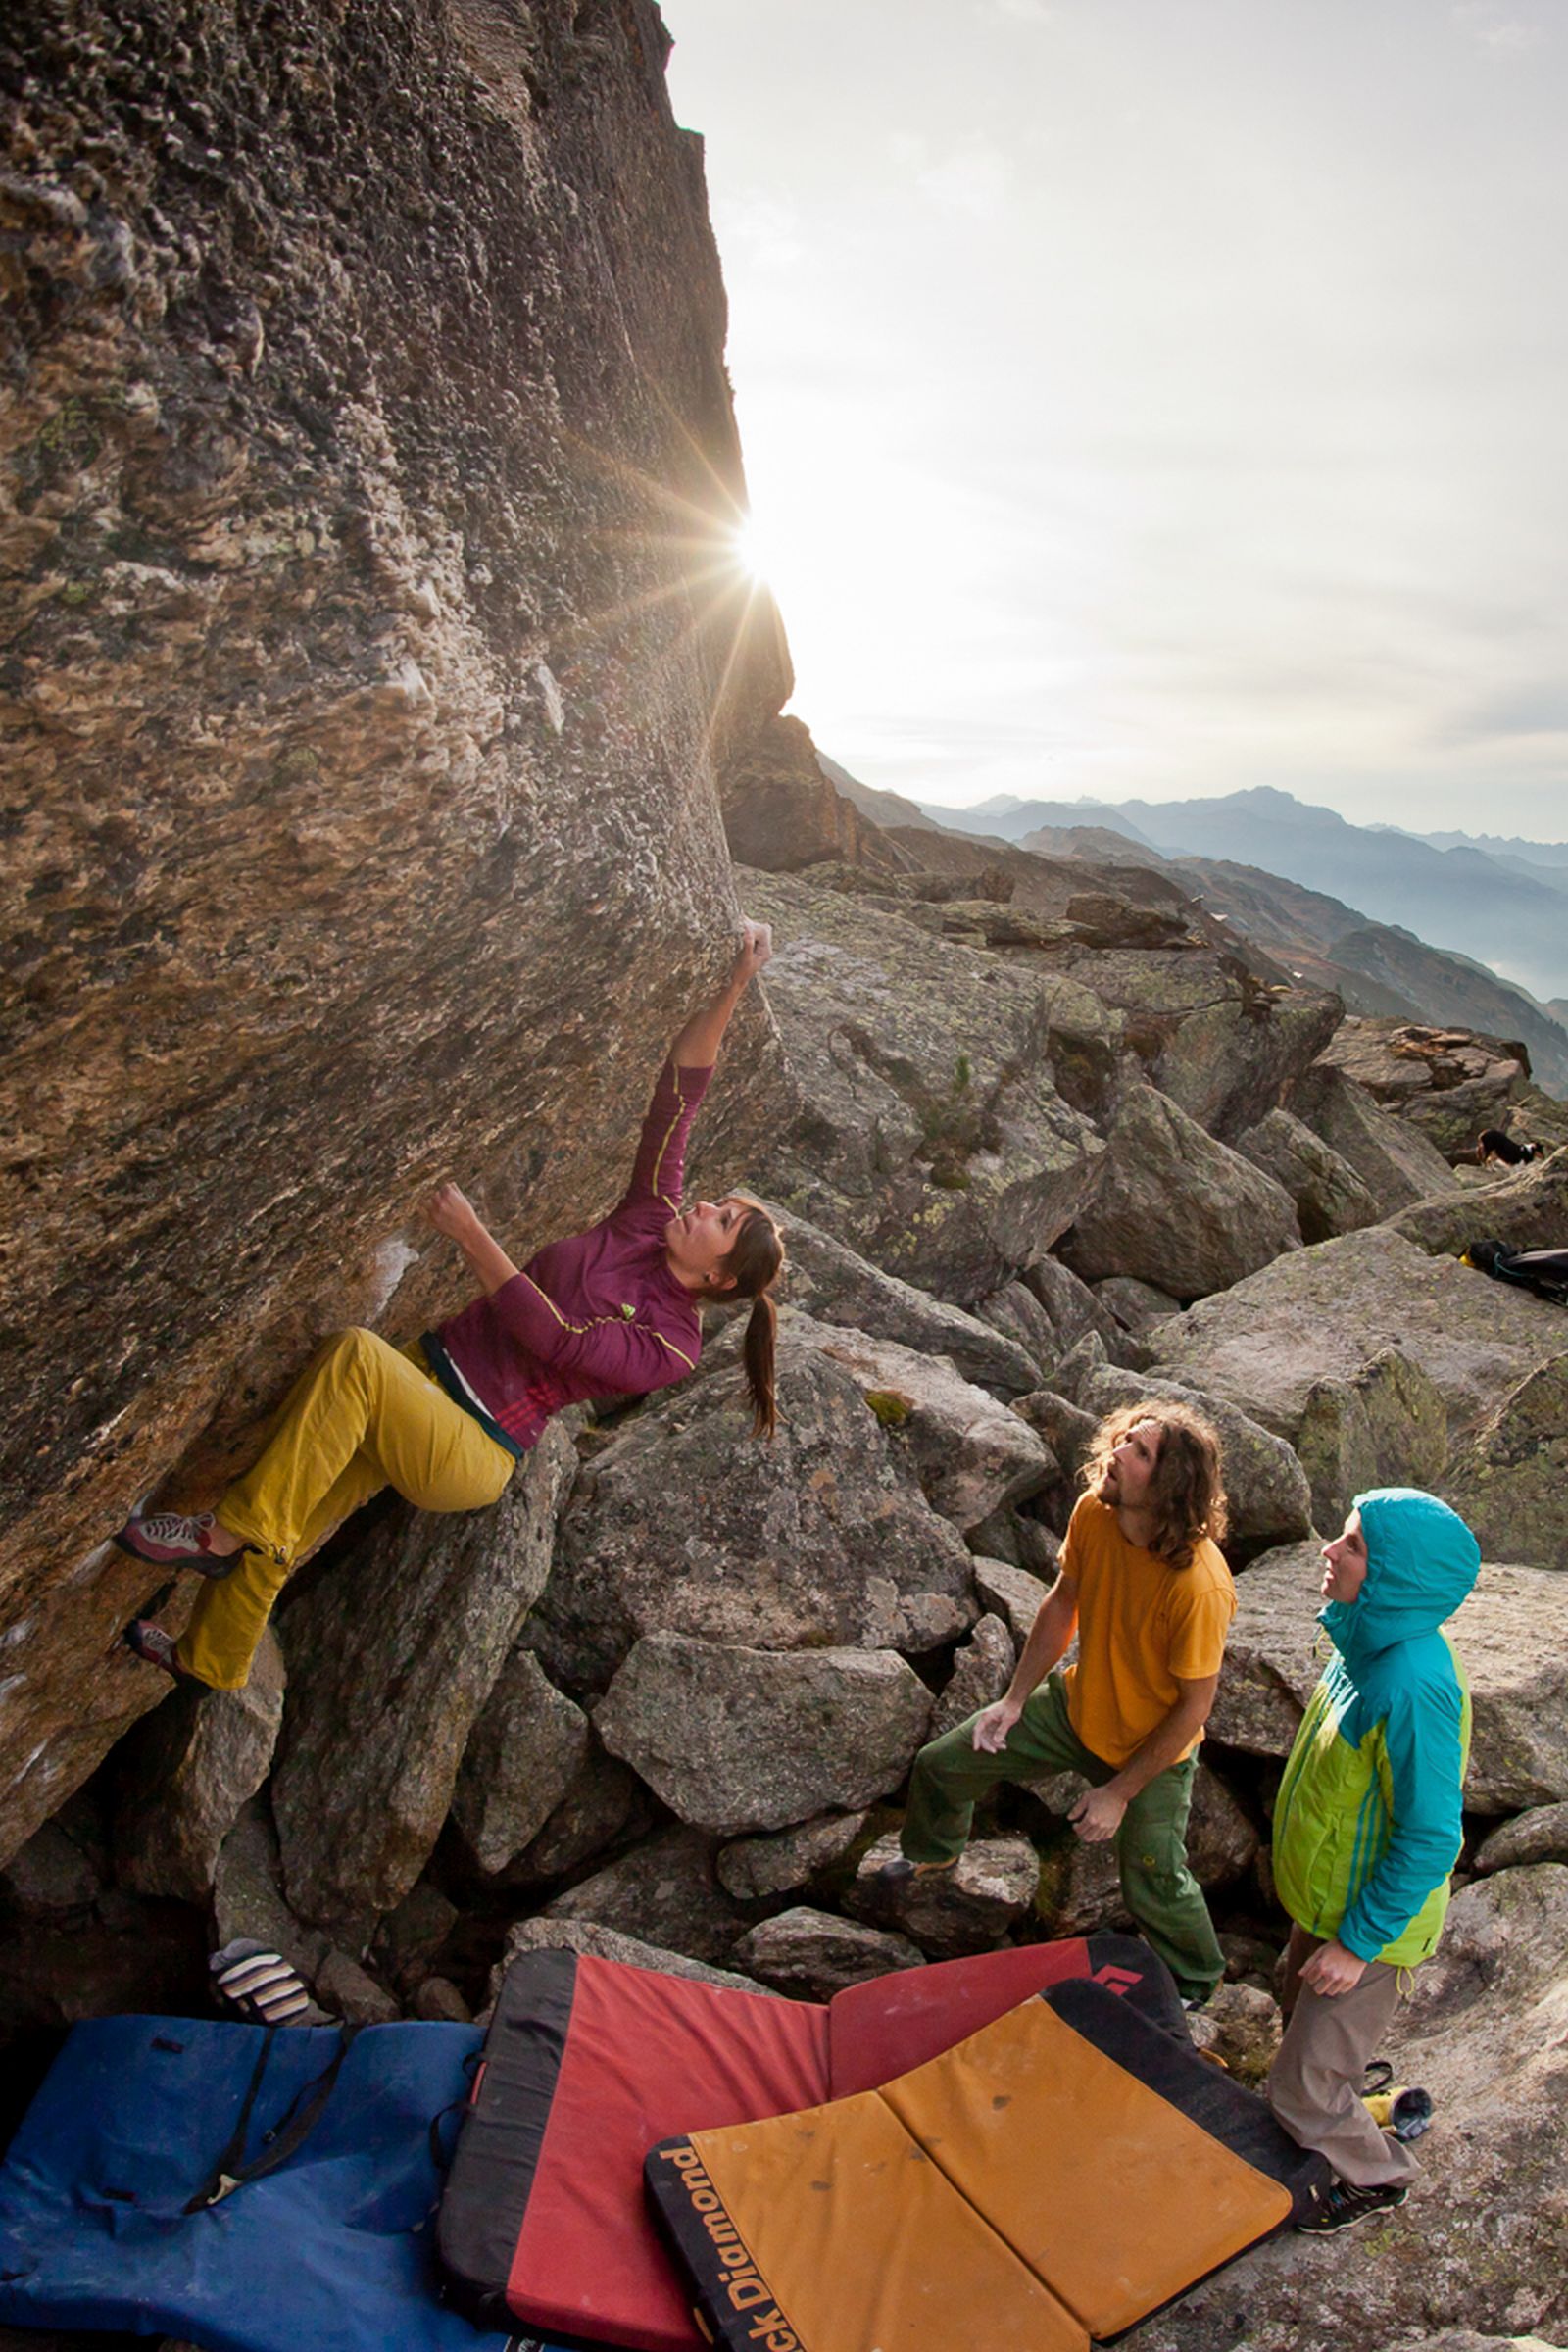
{"x":755,"y":1263}
{"x":761,"y":1328}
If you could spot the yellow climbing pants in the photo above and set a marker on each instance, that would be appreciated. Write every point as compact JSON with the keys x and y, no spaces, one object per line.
{"x":363,"y":1416}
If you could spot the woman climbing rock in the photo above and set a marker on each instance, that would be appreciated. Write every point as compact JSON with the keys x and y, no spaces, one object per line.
{"x":615,"y":1310}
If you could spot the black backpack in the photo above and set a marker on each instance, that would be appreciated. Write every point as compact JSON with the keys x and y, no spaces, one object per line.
{"x":1544,"y":1271}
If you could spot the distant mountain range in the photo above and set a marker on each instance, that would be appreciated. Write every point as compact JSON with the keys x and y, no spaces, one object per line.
{"x":1507,"y":909}
{"x":1380,"y":968}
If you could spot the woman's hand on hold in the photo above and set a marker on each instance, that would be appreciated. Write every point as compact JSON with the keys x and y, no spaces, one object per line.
{"x":452,"y":1212}
{"x":755,"y":950}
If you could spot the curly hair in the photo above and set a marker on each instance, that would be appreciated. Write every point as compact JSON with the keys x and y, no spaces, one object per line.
{"x":1187,"y":1493}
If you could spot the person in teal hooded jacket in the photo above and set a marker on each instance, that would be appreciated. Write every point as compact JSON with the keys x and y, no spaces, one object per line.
{"x":1367,"y":1828}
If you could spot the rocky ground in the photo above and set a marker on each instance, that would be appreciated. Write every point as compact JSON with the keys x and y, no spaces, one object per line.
{"x":663,"y":1700}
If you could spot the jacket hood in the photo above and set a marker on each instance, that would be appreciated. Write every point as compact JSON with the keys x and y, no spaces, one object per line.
{"x":1421,"y":1562}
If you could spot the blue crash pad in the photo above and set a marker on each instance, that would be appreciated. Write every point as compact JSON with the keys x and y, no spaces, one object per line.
{"x":335,"y":2249}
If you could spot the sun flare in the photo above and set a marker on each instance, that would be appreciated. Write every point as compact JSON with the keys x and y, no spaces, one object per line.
{"x":746,"y":542}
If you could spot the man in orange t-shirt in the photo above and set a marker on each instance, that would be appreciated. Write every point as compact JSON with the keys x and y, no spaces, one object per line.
{"x":1145,"y":1583}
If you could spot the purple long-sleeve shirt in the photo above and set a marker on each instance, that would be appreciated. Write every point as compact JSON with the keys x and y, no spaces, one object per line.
{"x":597,"y":1314}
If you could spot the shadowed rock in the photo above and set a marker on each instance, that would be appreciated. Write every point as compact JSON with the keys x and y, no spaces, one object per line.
{"x":522,"y":1755}
{"x":737,"y":1740}
{"x":395,"y":1652}
{"x":549,"y":1934}
{"x":184,"y":1773}
{"x":663,"y":1892}
{"x":1172,"y":1206}
{"x":1330,"y":1197}
{"x":1396,"y":1162}
{"x":754,"y":1868}
{"x":1526,"y":1209}
{"x":1539,"y":1836}
{"x":981,"y":1673}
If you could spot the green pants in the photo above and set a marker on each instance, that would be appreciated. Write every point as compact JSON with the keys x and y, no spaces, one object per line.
{"x":1164,"y":1898}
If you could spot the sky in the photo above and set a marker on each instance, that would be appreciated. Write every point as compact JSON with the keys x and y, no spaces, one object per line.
{"x":1148,"y":398}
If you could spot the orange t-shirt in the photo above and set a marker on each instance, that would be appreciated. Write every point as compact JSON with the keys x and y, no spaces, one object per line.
{"x":1140,"y":1626}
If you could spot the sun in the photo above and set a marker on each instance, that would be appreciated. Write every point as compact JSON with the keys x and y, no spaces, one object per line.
{"x":746,"y":545}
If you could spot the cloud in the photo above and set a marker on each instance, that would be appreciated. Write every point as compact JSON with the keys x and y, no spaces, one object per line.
{"x":1535,"y":707}
{"x":763,"y":230}
{"x":1024,"y":11}
{"x":1500,"y":31}
{"x":973,"y":183}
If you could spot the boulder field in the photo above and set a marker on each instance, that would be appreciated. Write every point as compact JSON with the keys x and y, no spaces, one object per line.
{"x":391,"y":772}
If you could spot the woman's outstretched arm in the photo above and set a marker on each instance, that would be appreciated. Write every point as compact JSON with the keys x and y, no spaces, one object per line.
{"x":696,"y":1046}
{"x":453,"y":1215}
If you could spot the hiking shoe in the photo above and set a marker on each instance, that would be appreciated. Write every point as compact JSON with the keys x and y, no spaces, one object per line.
{"x":1345,"y":2205}
{"x":150,"y":1643}
{"x":177,"y":1540}
{"x":901,"y":1869}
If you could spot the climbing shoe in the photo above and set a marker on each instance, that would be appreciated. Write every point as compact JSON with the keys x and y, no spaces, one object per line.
{"x":149,"y":1641}
{"x":177,"y":1540}
{"x":1345,"y":2205}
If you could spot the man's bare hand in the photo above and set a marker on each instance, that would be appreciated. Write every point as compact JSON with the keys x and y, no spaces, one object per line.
{"x":990,"y":1727}
{"x":1096,"y":1815}
{"x":450,"y":1212}
{"x":1333,"y":1970}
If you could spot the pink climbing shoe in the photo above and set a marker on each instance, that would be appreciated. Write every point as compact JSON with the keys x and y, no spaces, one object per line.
{"x":177,"y":1540}
{"x":150,"y":1643}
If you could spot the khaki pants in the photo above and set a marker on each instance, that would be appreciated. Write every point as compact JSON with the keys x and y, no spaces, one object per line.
{"x":1315,"y":2087}
{"x":362,"y":1417}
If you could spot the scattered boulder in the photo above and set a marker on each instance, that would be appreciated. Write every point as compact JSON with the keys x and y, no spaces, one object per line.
{"x":395,"y":1655}
{"x":551,"y":1935}
{"x":604,"y":1804}
{"x":1069,"y":1431}
{"x":51,"y":1876}
{"x":1172,"y":1206}
{"x":684,"y":1524}
{"x":1396,"y":1162}
{"x":1222,"y":1839}
{"x":968,"y":1908}
{"x":981,"y":1672}
{"x":1242,"y":2027}
{"x":836,"y":1285}
{"x":1019,"y":1538}
{"x":438,"y":2002}
{"x":525,"y":1750}
{"x":1509,"y":1479}
{"x":1323,"y":1313}
{"x":411,"y":1937}
{"x":1010,"y":1593}
{"x":1528,"y":1209}
{"x":973,"y":1456}
{"x":1136,"y":1305}
{"x":248,"y":1893}
{"x":1539,"y":1836}
{"x":755,"y":1868}
{"x":1018,"y":1314}
{"x":1449,"y":1083}
{"x":184,"y":1772}
{"x":737,"y":1740}
{"x":1330,"y":1197}
{"x":1270,"y":1501}
{"x":931,"y":1134}
{"x":663,"y":1892}
{"x":1074,"y":1310}
{"x":814,"y":1954}
{"x":351,"y":1992}
{"x":1386,"y":1426}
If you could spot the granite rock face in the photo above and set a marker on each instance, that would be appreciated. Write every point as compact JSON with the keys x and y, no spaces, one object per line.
{"x":663,"y":1892}
{"x":367,"y":656}
{"x":931,"y":1135}
{"x":814,"y":1954}
{"x":1397,"y":1162}
{"x":686,"y":1524}
{"x":523,"y":1754}
{"x":1449,"y":1083}
{"x":1330,"y":1197}
{"x":184,"y":1773}
{"x":736,"y":1740}
{"x":1172,"y":1206}
{"x":1526,"y":1209}
{"x":1386,"y":1426}
{"x":1324,"y":1313}
{"x":396,"y":1650}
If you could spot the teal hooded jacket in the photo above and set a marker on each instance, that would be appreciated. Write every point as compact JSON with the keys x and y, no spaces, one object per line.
{"x":1367,"y":1823}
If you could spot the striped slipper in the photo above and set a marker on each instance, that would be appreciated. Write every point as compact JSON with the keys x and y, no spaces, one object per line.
{"x":259,"y":1983}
